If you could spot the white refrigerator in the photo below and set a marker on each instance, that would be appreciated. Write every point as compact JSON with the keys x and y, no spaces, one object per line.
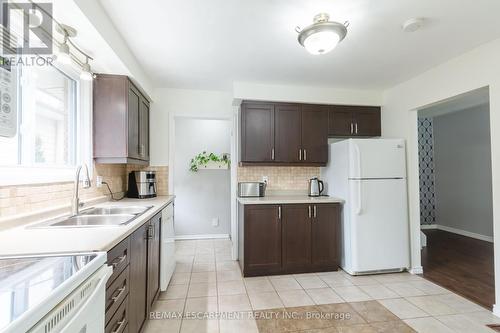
{"x":370,"y":175}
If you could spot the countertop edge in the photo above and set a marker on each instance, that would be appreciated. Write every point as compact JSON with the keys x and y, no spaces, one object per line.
{"x":288,"y":200}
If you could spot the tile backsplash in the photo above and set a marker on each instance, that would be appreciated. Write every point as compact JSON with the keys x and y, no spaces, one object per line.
{"x":280,"y":178}
{"x":23,"y":199}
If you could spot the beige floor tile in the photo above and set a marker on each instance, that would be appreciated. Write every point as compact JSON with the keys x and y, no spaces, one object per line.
{"x":265,"y":300}
{"x":201,"y":304}
{"x":461,"y":324}
{"x":231,"y":287}
{"x":392,"y":327}
{"x":352,"y":294}
{"x":361,"y":280}
{"x":324,"y":296}
{"x":162,"y":326}
{"x":181,"y":267}
{"x":200,"y":326}
{"x":285,"y":283}
{"x":258,"y":285}
{"x":483,"y":317}
{"x":170,"y":306}
{"x":293,"y":298}
{"x":428,"y":287}
{"x":223,"y":257}
{"x":204,"y":259}
{"x":378,"y":291}
{"x":203,"y":277}
{"x":227,"y":265}
{"x":336,"y":280}
{"x":238,"y":326}
{"x":229,"y":275}
{"x":202,"y":290}
{"x":432,"y":305}
{"x":310,"y":282}
{"x":180,"y":278}
{"x":403,"y":309}
{"x":185,"y":251}
{"x":373,"y":311}
{"x":458,"y":303}
{"x":232,"y":303}
{"x":427,"y":325}
{"x":204,"y":267}
{"x":396,"y":277}
{"x":404,"y":289}
{"x":360,"y":328}
{"x":204,"y":250}
{"x":175,"y":292}
{"x":343,"y":314}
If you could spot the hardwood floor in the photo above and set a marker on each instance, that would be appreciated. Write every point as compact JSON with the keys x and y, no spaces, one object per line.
{"x":461,"y":264}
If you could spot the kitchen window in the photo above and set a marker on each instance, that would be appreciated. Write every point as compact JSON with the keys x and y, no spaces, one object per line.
{"x":52,"y":126}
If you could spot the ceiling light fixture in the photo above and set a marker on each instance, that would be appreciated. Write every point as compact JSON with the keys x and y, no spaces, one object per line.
{"x":322,"y":36}
{"x":64,"y":56}
{"x":413,"y":24}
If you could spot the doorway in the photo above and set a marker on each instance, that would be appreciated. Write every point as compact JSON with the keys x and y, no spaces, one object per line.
{"x":456,"y":208}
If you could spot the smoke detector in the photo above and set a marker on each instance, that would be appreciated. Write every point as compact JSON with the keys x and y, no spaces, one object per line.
{"x":413,"y":24}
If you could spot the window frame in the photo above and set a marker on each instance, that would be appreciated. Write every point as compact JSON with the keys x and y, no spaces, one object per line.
{"x":39,"y":174}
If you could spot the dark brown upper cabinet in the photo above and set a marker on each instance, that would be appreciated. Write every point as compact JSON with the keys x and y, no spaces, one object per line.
{"x":284,"y":134}
{"x":354,"y":121}
{"x":287,"y":129}
{"x":257,"y":132}
{"x":120,"y":121}
{"x":315,"y":133}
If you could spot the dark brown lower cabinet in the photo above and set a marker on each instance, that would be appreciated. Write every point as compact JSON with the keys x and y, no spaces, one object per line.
{"x":138,"y":278}
{"x":135,"y":283}
{"x":296,"y":237}
{"x":263,"y":227}
{"x":291,"y":238}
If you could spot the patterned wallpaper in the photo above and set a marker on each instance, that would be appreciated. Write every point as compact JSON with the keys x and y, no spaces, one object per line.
{"x":426,"y":166}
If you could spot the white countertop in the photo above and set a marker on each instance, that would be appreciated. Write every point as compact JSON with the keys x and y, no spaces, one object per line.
{"x":288,"y":199}
{"x":22,"y":240}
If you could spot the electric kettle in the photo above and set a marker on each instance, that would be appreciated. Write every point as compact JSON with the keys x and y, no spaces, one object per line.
{"x":315,"y":187}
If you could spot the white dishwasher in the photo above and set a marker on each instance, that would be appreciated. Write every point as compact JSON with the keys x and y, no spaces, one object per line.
{"x":48,"y":294}
{"x":167,"y":255}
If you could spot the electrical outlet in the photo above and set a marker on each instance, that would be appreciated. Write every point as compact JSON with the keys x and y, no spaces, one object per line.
{"x":265,"y":179}
{"x":98,"y":181}
{"x":215,"y":222}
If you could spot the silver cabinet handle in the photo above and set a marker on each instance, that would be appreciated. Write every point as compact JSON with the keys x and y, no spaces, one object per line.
{"x":309,"y":210}
{"x":272,"y":154}
{"x":352,"y":128}
{"x":119,"y":261}
{"x":150,"y":231}
{"x":119,"y":294}
{"x":305,"y":155}
{"x":314,"y":211}
{"x":279,"y":212}
{"x":356,"y":125}
{"x":300,"y":154}
{"x":120,"y":324}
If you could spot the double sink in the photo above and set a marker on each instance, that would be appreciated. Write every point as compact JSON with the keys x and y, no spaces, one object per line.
{"x":105,"y":216}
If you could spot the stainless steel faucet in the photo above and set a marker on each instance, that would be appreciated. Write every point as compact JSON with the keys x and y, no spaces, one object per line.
{"x":75,"y":206}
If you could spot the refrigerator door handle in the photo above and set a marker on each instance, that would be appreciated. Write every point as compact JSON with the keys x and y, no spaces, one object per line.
{"x":358,"y":161}
{"x":360,"y":204}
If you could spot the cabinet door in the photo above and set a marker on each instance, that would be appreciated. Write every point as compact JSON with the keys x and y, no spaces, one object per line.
{"x":296,"y":237}
{"x":367,"y":121}
{"x":315,"y":134}
{"x":340,"y":121}
{"x":134,"y":98}
{"x":144,"y":129}
{"x":287,"y":128}
{"x":325,"y":235}
{"x":154,"y":259}
{"x":262,"y":239}
{"x":257,"y":132}
{"x":138,"y":278}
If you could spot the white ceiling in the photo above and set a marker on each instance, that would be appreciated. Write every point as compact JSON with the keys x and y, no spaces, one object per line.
{"x":208,"y":44}
{"x":465,"y":101}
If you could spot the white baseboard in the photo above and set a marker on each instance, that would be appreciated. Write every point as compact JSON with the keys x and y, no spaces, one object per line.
{"x":457,"y":231}
{"x":202,"y":236}
{"x":428,"y":226}
{"x":496,"y":310}
{"x":416,"y":270}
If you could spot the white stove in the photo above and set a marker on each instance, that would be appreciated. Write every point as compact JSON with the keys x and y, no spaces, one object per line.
{"x":58,"y":293}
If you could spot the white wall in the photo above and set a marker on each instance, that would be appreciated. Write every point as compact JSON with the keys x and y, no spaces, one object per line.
{"x":169,"y":103}
{"x":475,"y":69}
{"x":305,"y":94}
{"x":203,"y":195}
{"x":462,"y":169}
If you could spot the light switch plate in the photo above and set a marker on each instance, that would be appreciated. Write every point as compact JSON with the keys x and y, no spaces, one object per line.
{"x":265,"y":179}
{"x":215,"y":222}
{"x":98,"y":181}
